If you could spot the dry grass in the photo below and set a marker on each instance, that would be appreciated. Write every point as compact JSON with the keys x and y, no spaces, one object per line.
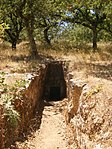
{"x":83,"y":63}
{"x":20,"y":60}
{"x":16,"y":61}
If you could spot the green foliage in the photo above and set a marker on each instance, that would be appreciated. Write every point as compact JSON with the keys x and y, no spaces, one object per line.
{"x":3,"y":26}
{"x":21,"y":83}
{"x":90,"y":14}
{"x":76,"y":35}
{"x":3,"y":86}
{"x":8,"y":96}
{"x":2,"y":78}
{"x":11,"y":114}
{"x":10,"y":16}
{"x":104,"y":36}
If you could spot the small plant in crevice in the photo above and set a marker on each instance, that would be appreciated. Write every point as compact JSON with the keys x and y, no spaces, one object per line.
{"x":12,"y":116}
{"x":3,"y":86}
{"x":22,"y":84}
{"x":93,"y":91}
{"x":8,"y":95}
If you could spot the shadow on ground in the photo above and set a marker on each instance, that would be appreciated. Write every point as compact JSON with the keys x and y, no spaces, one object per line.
{"x":30,"y":58}
{"x":103,"y":71}
{"x":99,"y":70}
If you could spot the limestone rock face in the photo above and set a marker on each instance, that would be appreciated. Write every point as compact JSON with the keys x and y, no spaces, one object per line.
{"x":74,"y":94}
{"x":2,"y":127}
{"x":89,"y":117}
{"x":25,"y":106}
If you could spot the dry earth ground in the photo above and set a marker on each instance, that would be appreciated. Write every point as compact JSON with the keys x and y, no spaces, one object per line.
{"x":91,"y":68}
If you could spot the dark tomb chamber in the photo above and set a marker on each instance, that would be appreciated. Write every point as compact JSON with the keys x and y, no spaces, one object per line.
{"x":54,"y":85}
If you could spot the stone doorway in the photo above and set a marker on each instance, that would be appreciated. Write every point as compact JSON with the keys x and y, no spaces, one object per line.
{"x":55,"y":84}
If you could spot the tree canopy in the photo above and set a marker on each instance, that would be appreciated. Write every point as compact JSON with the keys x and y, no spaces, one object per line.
{"x":50,"y":15}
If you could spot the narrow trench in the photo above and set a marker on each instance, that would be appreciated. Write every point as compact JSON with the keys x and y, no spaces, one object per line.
{"x":51,"y":134}
{"x":49,"y":125}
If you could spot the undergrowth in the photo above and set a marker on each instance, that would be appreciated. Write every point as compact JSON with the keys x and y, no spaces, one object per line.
{"x":8,"y":94}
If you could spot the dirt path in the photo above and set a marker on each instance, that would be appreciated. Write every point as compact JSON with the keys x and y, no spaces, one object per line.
{"x":52,"y":132}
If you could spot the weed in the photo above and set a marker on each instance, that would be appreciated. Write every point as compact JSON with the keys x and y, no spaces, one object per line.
{"x":93,"y":91}
{"x":8,"y":95}
{"x":10,"y":113}
{"x":3,"y":86}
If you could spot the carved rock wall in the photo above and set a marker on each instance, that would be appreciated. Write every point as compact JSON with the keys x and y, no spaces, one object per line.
{"x":2,"y":127}
{"x":26,"y":107}
{"x":74,"y":90}
{"x":89,"y":116}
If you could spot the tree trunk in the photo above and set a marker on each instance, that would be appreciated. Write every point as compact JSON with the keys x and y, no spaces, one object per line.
{"x":14,"y":42}
{"x":46,"y":35}
{"x":94,"y":39}
{"x":13,"y":38}
{"x":30,"y":30}
{"x":33,"y":47}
